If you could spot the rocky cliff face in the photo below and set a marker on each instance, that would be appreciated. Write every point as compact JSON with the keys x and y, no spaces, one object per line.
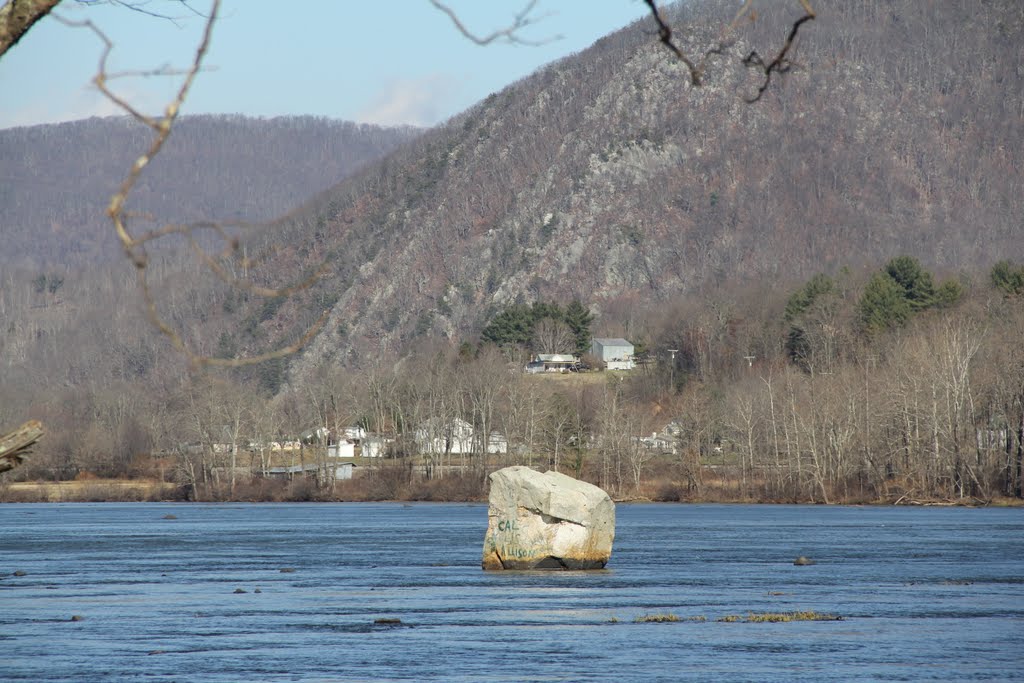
{"x":607,"y":177}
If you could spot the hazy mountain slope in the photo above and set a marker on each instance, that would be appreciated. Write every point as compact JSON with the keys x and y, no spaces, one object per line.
{"x":55,"y":180}
{"x":607,"y":177}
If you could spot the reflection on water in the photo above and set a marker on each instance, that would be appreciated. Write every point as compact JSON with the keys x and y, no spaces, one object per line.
{"x":312,"y":592}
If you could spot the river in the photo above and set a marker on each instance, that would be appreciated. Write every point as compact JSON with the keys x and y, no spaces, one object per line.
{"x":393,"y":592}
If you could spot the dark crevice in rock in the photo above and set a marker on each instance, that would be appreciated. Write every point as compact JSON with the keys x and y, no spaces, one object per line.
{"x":550,"y":562}
{"x":548,"y":519}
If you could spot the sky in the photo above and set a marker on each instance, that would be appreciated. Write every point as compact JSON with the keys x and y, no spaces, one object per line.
{"x":388,"y":62}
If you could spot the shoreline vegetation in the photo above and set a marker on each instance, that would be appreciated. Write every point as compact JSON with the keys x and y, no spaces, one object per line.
{"x":389,"y":488}
{"x":811,"y":400}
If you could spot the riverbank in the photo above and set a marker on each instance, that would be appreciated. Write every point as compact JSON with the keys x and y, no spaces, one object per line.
{"x":455,"y":489}
{"x":90,"y":491}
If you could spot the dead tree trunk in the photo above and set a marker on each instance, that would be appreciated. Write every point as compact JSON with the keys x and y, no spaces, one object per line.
{"x":15,"y":445}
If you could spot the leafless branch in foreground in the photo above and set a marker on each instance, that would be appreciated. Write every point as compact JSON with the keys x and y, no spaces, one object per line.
{"x":510,"y":34}
{"x":143,"y":7}
{"x":18,"y":16}
{"x":135,"y":246}
{"x":779,"y":64}
{"x":665,"y":35}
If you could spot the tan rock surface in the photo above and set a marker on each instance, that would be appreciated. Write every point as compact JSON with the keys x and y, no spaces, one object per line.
{"x":546,"y":521}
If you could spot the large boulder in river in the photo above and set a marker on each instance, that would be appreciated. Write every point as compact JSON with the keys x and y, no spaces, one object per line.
{"x":547,"y":521}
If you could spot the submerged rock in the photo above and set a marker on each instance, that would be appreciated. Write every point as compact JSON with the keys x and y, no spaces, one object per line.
{"x":546,"y":521}
{"x":803,"y":561}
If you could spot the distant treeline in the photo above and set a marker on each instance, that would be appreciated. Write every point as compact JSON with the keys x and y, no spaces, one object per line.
{"x":214,"y":168}
{"x":827,"y":393}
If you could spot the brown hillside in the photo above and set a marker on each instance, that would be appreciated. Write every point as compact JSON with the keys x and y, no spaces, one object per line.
{"x":56,"y":180}
{"x":607,"y":177}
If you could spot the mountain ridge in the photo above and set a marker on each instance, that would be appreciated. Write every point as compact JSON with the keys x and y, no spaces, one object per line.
{"x":604,"y":177}
{"x":213,"y":167}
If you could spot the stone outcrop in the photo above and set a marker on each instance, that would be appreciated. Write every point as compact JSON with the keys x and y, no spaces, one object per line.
{"x":546,"y":521}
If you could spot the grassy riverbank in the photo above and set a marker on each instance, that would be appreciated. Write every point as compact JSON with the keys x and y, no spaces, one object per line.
{"x":92,"y":490}
{"x":389,"y":487}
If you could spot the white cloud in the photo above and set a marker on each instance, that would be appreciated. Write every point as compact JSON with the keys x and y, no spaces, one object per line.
{"x":422,"y":102}
{"x":81,"y":104}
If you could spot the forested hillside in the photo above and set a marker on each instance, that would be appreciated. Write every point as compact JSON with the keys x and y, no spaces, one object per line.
{"x":835,"y":269}
{"x":56,"y":180}
{"x":607,"y":177}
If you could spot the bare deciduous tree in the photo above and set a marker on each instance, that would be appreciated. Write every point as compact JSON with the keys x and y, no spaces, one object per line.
{"x":552,"y":336}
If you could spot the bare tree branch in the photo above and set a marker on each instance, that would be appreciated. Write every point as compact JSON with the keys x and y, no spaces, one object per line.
{"x":229,"y":279}
{"x":780,"y":64}
{"x":665,"y":35}
{"x":134,"y":246}
{"x":142,"y":7}
{"x":18,"y":16}
{"x":509,"y":34}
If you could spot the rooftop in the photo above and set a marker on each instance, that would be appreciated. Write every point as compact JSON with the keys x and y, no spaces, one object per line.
{"x":612,"y":341}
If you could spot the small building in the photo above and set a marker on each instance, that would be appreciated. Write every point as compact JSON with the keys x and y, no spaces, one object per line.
{"x":311,"y":437}
{"x":340,"y":471}
{"x":354,"y":433}
{"x":374,"y":446}
{"x":616,"y":353}
{"x":437,"y":435}
{"x":659,"y":443}
{"x":342,"y":449}
{"x":557,"y":362}
{"x":456,"y":436}
{"x":497,"y":443}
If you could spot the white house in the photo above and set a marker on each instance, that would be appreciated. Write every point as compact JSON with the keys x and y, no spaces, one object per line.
{"x":660,"y":443}
{"x":314,"y":436}
{"x":354,"y":433}
{"x":665,"y":441}
{"x":455,"y":436}
{"x":374,"y":446}
{"x":555,"y":362}
{"x":616,"y":353}
{"x":497,"y":443}
{"x":342,"y":449}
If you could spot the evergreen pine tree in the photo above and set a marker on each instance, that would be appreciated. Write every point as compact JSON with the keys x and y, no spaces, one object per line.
{"x":578,"y":318}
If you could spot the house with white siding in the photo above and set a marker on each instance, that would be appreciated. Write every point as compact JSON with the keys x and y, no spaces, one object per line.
{"x":555,"y":362}
{"x":455,"y":436}
{"x":616,"y":353}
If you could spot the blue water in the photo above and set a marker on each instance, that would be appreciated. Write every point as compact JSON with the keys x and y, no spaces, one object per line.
{"x":926,"y":594}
